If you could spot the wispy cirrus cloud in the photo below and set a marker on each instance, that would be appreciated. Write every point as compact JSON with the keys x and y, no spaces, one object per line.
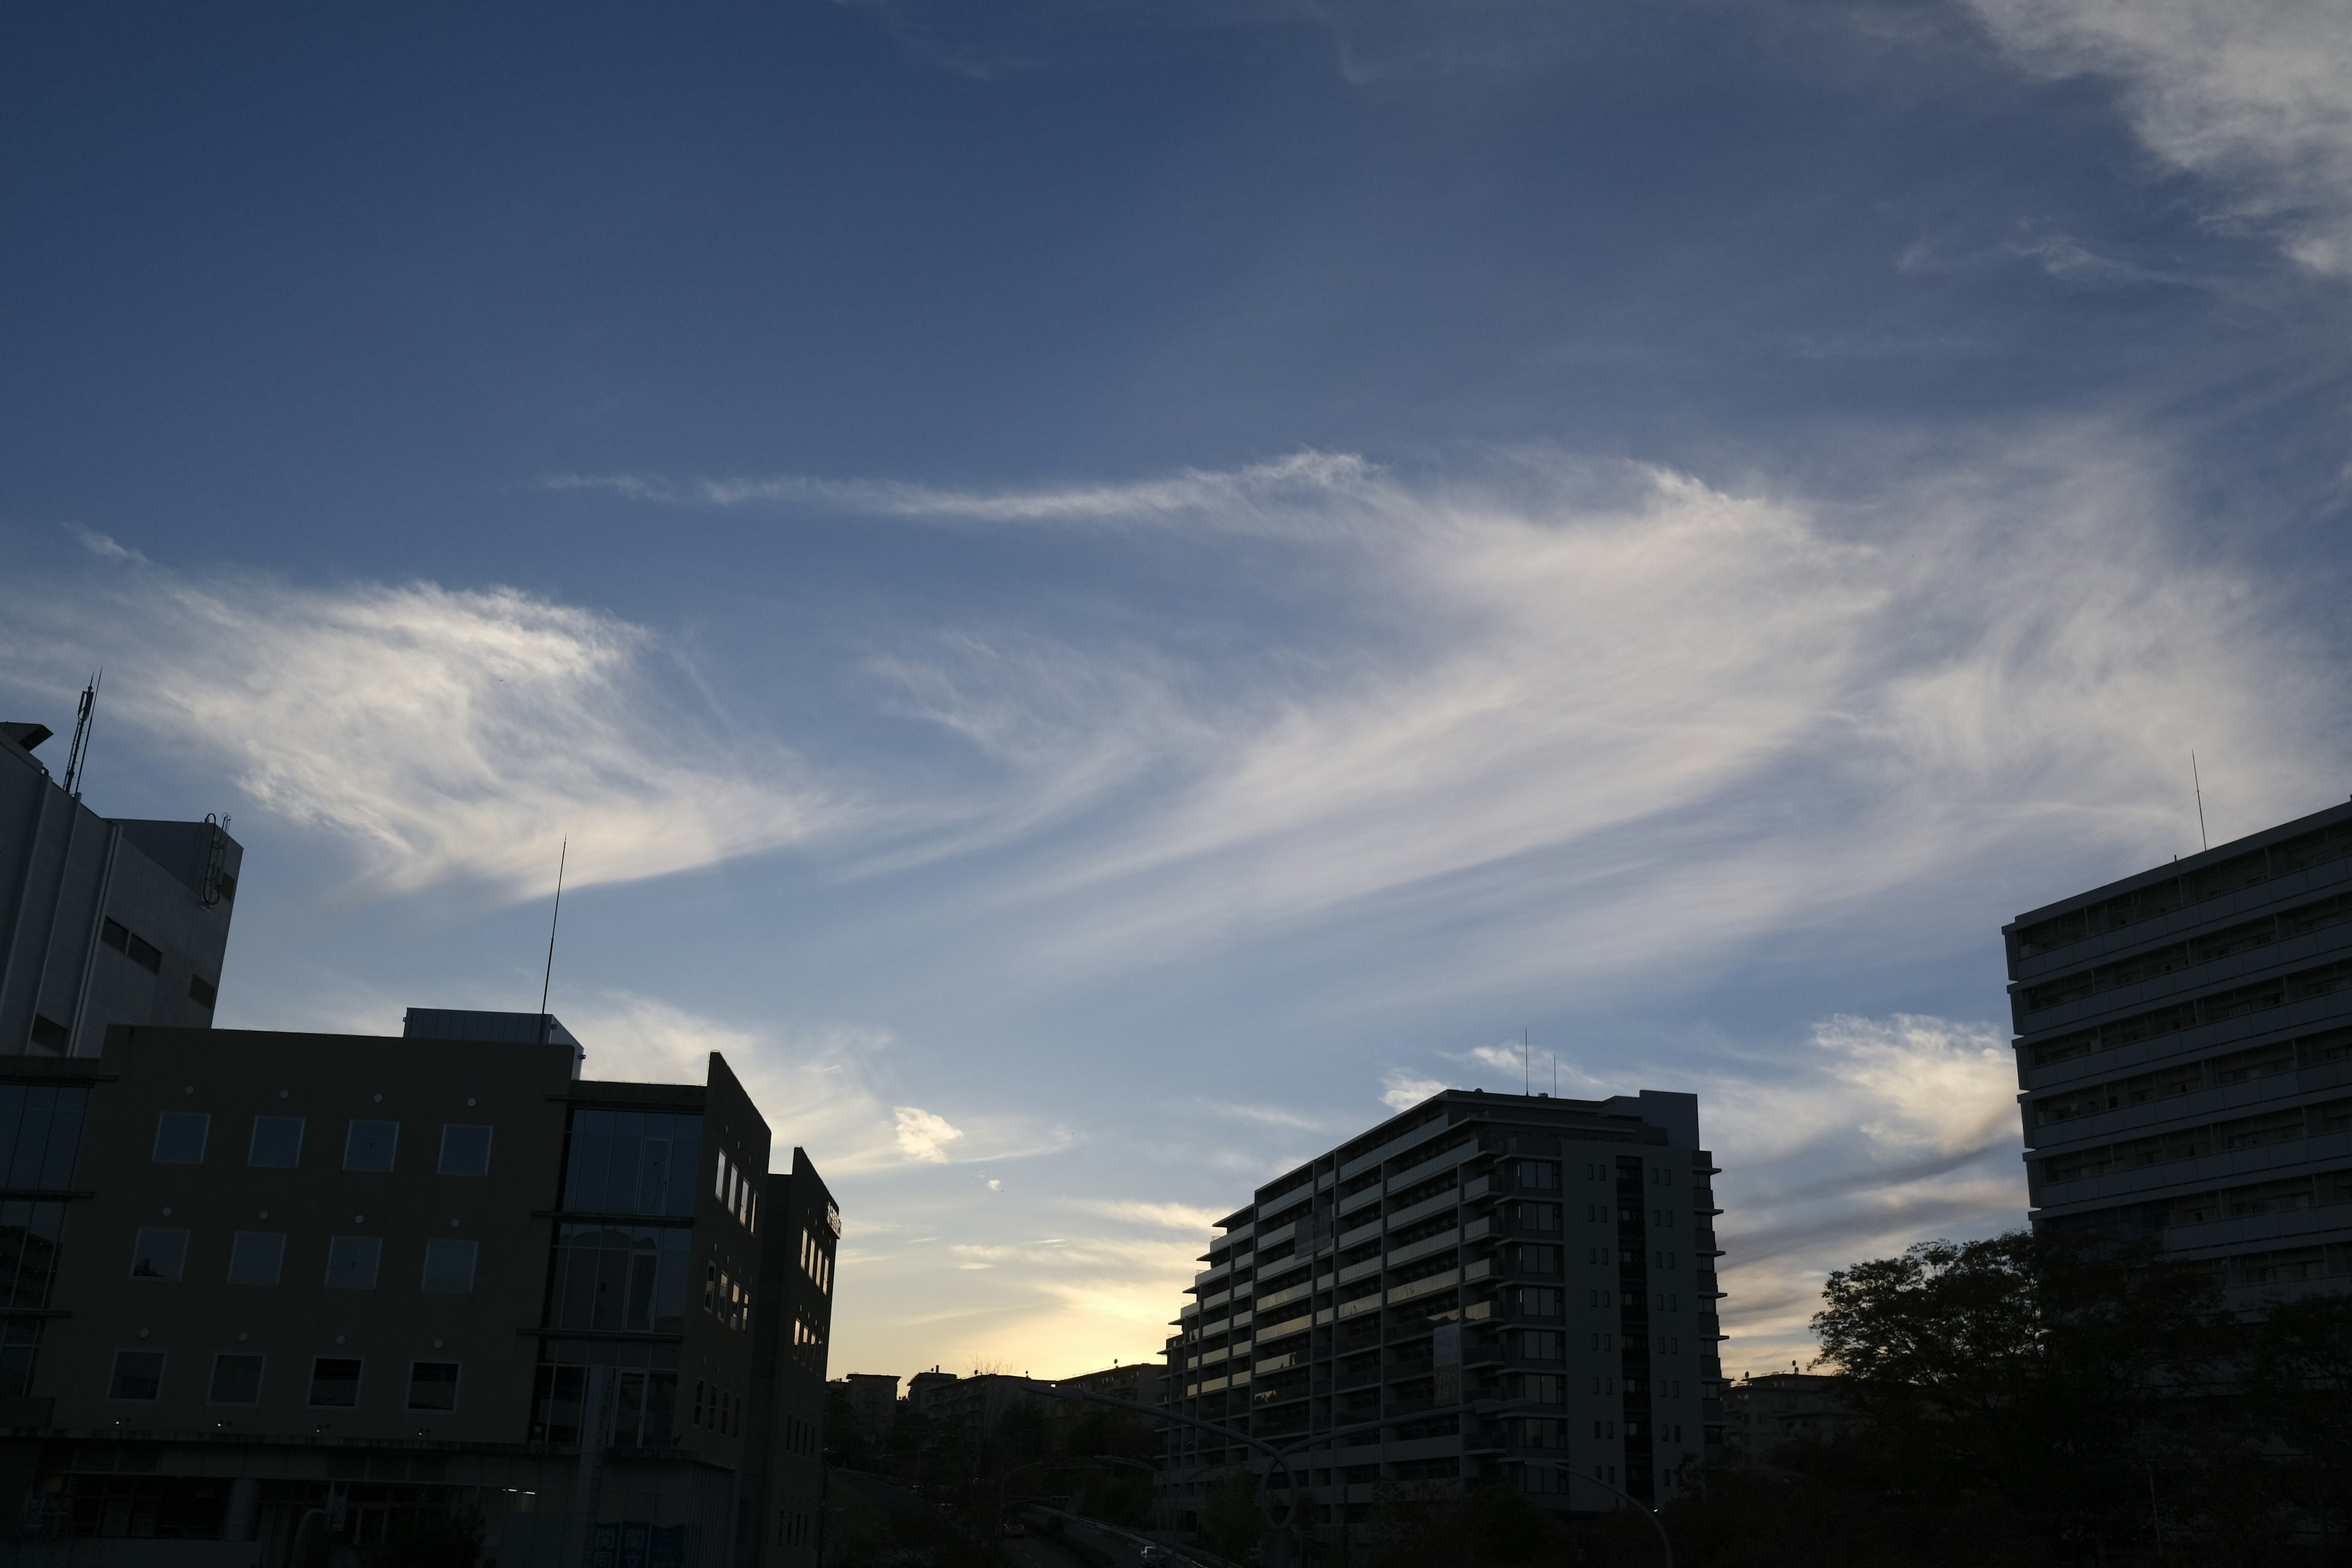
{"x":443,"y":733}
{"x":2253,"y":97}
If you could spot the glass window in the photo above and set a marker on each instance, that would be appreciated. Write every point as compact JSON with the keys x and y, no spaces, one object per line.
{"x":351,"y":1262}
{"x":158,"y":1255}
{"x":614,"y":1276}
{"x":629,"y":1161}
{"x":449,"y":1265}
{"x":40,"y":1129}
{"x":465,"y":1151}
{"x":334,"y":1383}
{"x":433,"y":1385}
{"x":370,"y":1145}
{"x":276,"y":1142}
{"x":138,"y":1374}
{"x":180,"y":1137}
{"x":236,"y":1380}
{"x":257,"y":1256}
{"x":20,"y":1342}
{"x":30,"y":1232}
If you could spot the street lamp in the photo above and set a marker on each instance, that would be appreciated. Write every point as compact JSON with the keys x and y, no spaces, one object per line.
{"x":1647,"y":1512}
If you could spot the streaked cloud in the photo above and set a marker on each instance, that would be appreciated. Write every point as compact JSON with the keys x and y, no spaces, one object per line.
{"x":442,"y":734}
{"x":2253,"y":97}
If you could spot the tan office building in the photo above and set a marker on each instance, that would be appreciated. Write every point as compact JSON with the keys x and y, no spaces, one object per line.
{"x":272,"y":1291}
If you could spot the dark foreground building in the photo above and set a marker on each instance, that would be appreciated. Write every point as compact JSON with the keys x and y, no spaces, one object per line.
{"x":1558,"y":1255}
{"x":270,"y":1291}
{"x":2184,"y":1039}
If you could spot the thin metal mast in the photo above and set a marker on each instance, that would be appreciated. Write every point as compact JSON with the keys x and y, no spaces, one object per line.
{"x":2202,"y":842}
{"x":549,"y":978}
{"x":79,"y":751}
{"x":1528,"y":1055}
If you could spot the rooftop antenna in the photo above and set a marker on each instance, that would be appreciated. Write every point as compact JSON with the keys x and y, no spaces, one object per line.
{"x":1555,"y":1073}
{"x":2203,"y":841}
{"x":549,"y":978}
{"x":79,"y":751}
{"x":1527,"y":1057}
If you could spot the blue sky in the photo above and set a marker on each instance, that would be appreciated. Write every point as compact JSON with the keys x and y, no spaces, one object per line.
{"x":1105,"y":591}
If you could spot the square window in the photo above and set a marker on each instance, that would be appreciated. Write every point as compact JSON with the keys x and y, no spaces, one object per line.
{"x":180,"y":1137}
{"x":116,"y":935}
{"x":276,"y":1142}
{"x":158,"y":1255}
{"x":334,"y":1383}
{"x":351,"y":1262}
{"x":449,"y":1265}
{"x":138,"y":1374}
{"x":257,"y":1256}
{"x":201,"y":991}
{"x":368,"y":1145}
{"x":236,"y":1380}
{"x":433,"y":1385}
{"x":465,"y":1151}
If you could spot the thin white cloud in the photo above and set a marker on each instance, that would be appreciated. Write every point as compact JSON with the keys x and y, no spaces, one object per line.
{"x":1401,"y":1090}
{"x":1185,"y":1217}
{"x":441,"y":733}
{"x":2254,"y":96}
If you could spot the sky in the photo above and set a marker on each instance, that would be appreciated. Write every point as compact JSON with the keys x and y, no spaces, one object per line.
{"x":1102,"y":593}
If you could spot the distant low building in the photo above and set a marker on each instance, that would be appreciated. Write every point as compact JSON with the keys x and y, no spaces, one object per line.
{"x":873,"y":1401}
{"x":1764,"y":1413}
{"x":923,"y":1391}
{"x":1137,"y":1381}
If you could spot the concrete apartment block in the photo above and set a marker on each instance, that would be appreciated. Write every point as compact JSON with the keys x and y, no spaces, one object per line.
{"x":101,"y":921}
{"x":2184,"y":1044}
{"x":1550,"y":1263}
{"x":272,"y":1291}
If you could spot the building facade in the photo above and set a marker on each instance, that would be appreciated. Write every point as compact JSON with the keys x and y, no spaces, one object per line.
{"x":295,"y":1289}
{"x":102,"y":922}
{"x":872,"y":1400}
{"x":1499,"y":1285}
{"x":1763,"y":1413}
{"x":2184,"y":1044}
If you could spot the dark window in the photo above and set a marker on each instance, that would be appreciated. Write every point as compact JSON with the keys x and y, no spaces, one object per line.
{"x":146,"y":954}
{"x":226,"y":884}
{"x":351,"y":1262}
{"x":50,"y":1035}
{"x":449,"y":1266}
{"x":40,"y":1129}
{"x":334,"y":1383}
{"x":20,"y":1341}
{"x":138,"y":1374}
{"x":465,"y":1151}
{"x":159,"y":1254}
{"x":276,"y":1142}
{"x":256,"y":1257}
{"x":201,"y":991}
{"x":180,"y":1137}
{"x":433,"y":1385}
{"x":115,"y":934}
{"x":631,"y":1279}
{"x":29,"y":1233}
{"x":629,"y":1161}
{"x":370,"y":1145}
{"x":236,"y":1380}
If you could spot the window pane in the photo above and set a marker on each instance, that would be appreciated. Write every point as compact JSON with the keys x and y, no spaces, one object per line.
{"x":465,"y":1151}
{"x":138,"y":1374}
{"x":158,"y":1255}
{"x":28,"y":1158}
{"x":334,"y":1383}
{"x":20,"y":1341}
{"x":433,"y":1385}
{"x":276,"y":1142}
{"x":351,"y":1262}
{"x":236,"y":1380}
{"x":65,"y":1139}
{"x":257,"y":1256}
{"x":370,"y":1145}
{"x":449,"y":1265}
{"x":180,"y":1137}
{"x":583,"y":1182}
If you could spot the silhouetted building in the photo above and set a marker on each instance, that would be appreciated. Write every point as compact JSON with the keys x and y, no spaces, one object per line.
{"x":102,"y":921}
{"x":1137,"y":1381}
{"x":2184,"y":1038}
{"x":873,"y":1401}
{"x":1476,"y":1249}
{"x":313,"y":1286}
{"x":1762,"y":1414}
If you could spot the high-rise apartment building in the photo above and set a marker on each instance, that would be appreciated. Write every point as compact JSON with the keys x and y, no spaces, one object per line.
{"x":267,"y":1292}
{"x":101,"y":921}
{"x":1498,"y":1285}
{"x":2184,"y":1042}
